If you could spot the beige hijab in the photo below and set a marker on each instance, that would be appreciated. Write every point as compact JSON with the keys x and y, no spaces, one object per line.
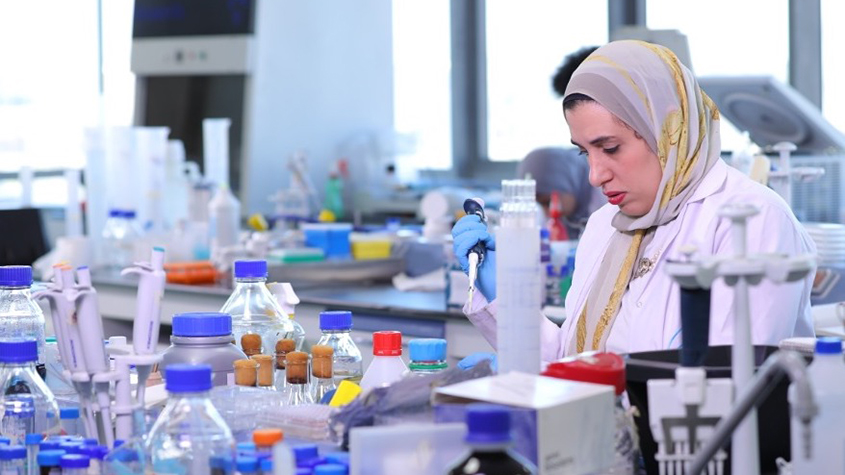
{"x":646,"y":87}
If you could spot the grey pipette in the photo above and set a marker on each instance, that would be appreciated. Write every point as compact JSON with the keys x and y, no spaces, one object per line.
{"x":476,"y":253}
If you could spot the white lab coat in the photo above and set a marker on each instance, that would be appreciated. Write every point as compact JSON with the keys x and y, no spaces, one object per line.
{"x":649,"y":318}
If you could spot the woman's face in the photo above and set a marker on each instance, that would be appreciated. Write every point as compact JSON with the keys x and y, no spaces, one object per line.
{"x":621,"y":163}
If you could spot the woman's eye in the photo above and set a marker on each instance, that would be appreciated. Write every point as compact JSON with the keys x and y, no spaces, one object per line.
{"x":611,"y":150}
{"x":582,"y":152}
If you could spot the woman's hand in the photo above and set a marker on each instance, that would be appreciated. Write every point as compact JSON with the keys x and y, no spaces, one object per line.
{"x":468,"y":232}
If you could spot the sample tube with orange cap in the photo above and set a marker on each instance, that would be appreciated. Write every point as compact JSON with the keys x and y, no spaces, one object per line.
{"x":265,"y":439}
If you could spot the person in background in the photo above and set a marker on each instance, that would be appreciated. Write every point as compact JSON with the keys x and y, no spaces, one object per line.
{"x":651,"y":137}
{"x":564,"y":170}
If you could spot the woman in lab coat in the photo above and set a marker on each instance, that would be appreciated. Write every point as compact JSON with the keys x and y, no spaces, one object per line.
{"x":651,"y":137}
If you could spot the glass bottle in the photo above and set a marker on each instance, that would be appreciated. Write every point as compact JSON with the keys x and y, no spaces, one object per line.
{"x":189,"y":431}
{"x":321,"y":371}
{"x":347,"y":362}
{"x":20,"y":317}
{"x":428,"y":356}
{"x":28,"y":404}
{"x":489,"y":440}
{"x":255,"y":313}
{"x":387,"y":366}
{"x":283,"y":347}
{"x":299,"y":392}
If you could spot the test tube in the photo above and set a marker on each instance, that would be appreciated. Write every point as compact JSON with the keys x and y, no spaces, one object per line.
{"x":32,"y":441}
{"x":12,"y":459}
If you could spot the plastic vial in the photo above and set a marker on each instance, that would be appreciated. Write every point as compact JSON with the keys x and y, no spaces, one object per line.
{"x":20,"y":317}
{"x":247,"y":465}
{"x":257,"y":320}
{"x":69,"y":418}
{"x":189,"y":431}
{"x":608,"y":369}
{"x":74,"y":464}
{"x":387,"y":366}
{"x":13,"y":460}
{"x":95,"y":454}
{"x":299,"y":391}
{"x":32,"y":445}
{"x":267,"y":466}
{"x":265,"y":439}
{"x":204,"y":338}
{"x":283,"y":347}
{"x":48,"y":462}
{"x":489,"y":440}
{"x":28,"y":404}
{"x":307,"y":456}
{"x":321,"y":371}
{"x":427,"y":355}
{"x":827,"y":377}
{"x":336,"y":328}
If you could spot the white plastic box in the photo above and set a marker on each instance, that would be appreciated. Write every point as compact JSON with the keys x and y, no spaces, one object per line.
{"x":421,"y":449}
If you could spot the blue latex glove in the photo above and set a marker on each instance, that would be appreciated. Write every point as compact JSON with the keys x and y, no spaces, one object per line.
{"x":468,"y":231}
{"x":475,"y":358}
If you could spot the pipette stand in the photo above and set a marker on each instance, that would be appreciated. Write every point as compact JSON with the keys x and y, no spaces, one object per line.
{"x":125,"y":406}
{"x":739,"y":270}
{"x":782,"y":179}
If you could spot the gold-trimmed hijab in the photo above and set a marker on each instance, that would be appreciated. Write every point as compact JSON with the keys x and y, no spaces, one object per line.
{"x":646,"y":87}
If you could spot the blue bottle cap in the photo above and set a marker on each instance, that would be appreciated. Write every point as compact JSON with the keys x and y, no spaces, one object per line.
{"x":22,"y":351}
{"x":427,"y":349}
{"x":15,"y":276}
{"x":200,"y":324}
{"x":303,"y":471}
{"x":71,"y":447}
{"x":550,"y":270}
{"x":50,"y":458}
{"x":74,"y":461}
{"x":828,"y":345}
{"x":129,"y":214}
{"x":50,"y":444}
{"x":12,"y":452}
{"x":304,"y":453}
{"x":33,"y":439}
{"x":488,"y":424}
{"x":5,"y":441}
{"x":185,"y":378}
{"x":115,"y":213}
{"x":338,"y":457}
{"x":223,"y":462}
{"x":246,"y":446}
{"x":247,"y":464}
{"x":330,"y":469}
{"x":92,"y":451}
{"x":336,"y":320}
{"x":250,"y":269}
{"x":118,"y":442}
{"x":69,"y":413}
{"x":91,"y":441}
{"x":267,"y":465}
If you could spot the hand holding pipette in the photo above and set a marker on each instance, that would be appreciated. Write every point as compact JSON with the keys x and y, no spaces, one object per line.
{"x":476,"y":254}
{"x":475,"y":249}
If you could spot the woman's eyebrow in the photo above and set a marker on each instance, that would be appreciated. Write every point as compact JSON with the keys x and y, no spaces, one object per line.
{"x":597,"y":142}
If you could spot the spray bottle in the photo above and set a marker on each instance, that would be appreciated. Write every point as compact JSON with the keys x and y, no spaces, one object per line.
{"x":287,"y":299}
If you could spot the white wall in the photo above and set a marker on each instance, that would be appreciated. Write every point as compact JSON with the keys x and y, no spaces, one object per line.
{"x":323,"y":74}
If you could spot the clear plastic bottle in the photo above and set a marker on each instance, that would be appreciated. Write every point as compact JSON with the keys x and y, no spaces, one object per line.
{"x":609,"y":369}
{"x":28,"y":404}
{"x":827,"y":377}
{"x":20,"y":317}
{"x":254,"y":310}
{"x":189,"y":431}
{"x":120,"y":233}
{"x":13,"y":460}
{"x":387,"y":366}
{"x":428,"y":356}
{"x":347,"y":362}
{"x":74,"y":464}
{"x":489,"y":440}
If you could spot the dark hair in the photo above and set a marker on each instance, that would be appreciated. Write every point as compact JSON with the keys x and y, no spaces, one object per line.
{"x":570,"y":63}
{"x":575,"y":99}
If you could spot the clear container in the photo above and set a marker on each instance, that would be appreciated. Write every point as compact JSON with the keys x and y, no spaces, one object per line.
{"x":489,"y":441}
{"x":13,"y":460}
{"x":255,"y":311}
{"x":120,"y":233}
{"x":55,"y":378}
{"x":74,"y":464}
{"x":189,"y":431}
{"x":95,"y":454}
{"x":48,"y":461}
{"x":32,"y":441}
{"x":387,"y":366}
{"x":428,"y":356}
{"x":347,"y":362}
{"x":204,"y":338}
{"x":296,"y":371}
{"x":29,"y":405}
{"x":20,"y":317}
{"x":322,"y":379}
{"x":69,"y":419}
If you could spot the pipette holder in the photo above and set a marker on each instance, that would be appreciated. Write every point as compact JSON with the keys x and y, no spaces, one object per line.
{"x":781,"y":180}
{"x":125,"y":406}
{"x":739,"y":270}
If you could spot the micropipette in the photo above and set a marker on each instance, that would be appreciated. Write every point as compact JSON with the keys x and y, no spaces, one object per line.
{"x":476,"y":253}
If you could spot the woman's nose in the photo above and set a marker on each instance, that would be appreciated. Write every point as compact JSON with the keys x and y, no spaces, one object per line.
{"x":599,"y":174}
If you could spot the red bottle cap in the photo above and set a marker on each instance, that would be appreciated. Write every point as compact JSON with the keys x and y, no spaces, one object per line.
{"x":598,"y":368}
{"x":387,"y":343}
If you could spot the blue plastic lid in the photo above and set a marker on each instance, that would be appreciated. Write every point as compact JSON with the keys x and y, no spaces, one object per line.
{"x":267,"y":465}
{"x":15,"y":276}
{"x":90,"y":441}
{"x":223,"y":462}
{"x":115,"y":213}
{"x":71,"y":447}
{"x":185,"y":378}
{"x":828,"y":345}
{"x":303,"y":471}
{"x":545,"y":233}
{"x":550,"y":270}
{"x":50,"y":458}
{"x":247,"y":464}
{"x":304,"y":453}
{"x":564,"y":270}
{"x":22,"y":351}
{"x":427,"y":349}
{"x":129,"y":213}
{"x":47,"y":445}
{"x":488,"y":424}
{"x":250,"y":269}
{"x":75,"y":461}
{"x":12,"y":452}
{"x":246,"y":446}
{"x":200,"y":324}
{"x":5,"y":441}
{"x":69,"y":413}
{"x":92,"y":451}
{"x":330,"y":469}
{"x":32,"y":439}
{"x":118,"y":442}
{"x":336,"y":320}
{"x":338,"y":457}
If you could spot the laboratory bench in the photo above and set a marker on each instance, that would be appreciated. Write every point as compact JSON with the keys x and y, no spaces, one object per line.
{"x":375,"y":307}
